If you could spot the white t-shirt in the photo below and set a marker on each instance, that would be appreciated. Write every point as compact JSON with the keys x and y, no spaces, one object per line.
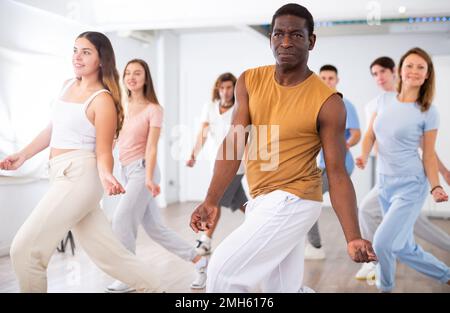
{"x":219,"y":125}
{"x":370,"y":108}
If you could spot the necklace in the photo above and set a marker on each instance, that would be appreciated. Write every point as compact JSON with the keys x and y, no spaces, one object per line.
{"x":226,"y":106}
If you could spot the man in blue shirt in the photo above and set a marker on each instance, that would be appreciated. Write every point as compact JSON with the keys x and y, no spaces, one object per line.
{"x":329,"y":74}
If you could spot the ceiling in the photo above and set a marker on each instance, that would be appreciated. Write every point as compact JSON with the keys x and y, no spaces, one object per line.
{"x":115,"y":15}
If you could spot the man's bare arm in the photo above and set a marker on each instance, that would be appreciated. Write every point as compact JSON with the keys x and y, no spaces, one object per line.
{"x":331,"y":129}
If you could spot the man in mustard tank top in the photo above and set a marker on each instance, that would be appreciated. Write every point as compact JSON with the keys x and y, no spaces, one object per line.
{"x":284,"y":114}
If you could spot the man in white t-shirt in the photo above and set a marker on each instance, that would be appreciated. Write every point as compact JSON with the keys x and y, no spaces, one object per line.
{"x":216,"y":121}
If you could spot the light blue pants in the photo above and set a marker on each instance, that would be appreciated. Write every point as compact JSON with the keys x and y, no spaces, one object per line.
{"x":401,"y":199}
{"x":370,"y":216}
{"x":136,"y":207}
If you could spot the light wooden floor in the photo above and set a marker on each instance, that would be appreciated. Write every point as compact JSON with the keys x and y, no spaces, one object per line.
{"x":334,"y":274}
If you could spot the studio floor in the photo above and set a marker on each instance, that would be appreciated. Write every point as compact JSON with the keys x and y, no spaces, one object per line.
{"x":67,"y":273}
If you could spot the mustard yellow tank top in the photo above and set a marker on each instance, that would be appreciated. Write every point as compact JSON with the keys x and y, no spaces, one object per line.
{"x":284,"y":141}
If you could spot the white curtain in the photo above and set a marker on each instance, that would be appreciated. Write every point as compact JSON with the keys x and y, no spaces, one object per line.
{"x":28,"y":84}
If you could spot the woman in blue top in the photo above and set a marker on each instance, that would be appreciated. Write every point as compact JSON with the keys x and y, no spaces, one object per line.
{"x":399,"y":123}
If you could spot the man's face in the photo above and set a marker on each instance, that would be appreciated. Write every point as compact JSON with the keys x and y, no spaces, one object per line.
{"x":384,"y":77}
{"x":330,"y":78}
{"x":290,"y":42}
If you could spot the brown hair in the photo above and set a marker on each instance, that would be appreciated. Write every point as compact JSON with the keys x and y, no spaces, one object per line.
{"x":384,"y":62}
{"x":108,"y":74}
{"x":426,"y":92}
{"x":225,"y":77}
{"x":149,"y":90}
{"x":329,"y":67}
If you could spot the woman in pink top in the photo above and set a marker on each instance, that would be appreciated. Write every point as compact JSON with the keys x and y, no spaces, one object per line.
{"x":86,"y":118}
{"x":138,"y":144}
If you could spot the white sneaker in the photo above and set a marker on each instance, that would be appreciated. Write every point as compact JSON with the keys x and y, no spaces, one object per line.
{"x":200,"y":272}
{"x":366,"y":272}
{"x":199,"y":281}
{"x":203,"y":247}
{"x":119,"y":287}
{"x":313,"y":253}
{"x":306,"y":289}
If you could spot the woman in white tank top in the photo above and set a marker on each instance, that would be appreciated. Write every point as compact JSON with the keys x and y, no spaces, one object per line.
{"x":86,"y":118}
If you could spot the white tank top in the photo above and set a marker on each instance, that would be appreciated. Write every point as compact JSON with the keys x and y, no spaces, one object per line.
{"x":71,"y":129}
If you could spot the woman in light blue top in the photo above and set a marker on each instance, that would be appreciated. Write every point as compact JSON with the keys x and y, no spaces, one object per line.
{"x":402,"y":118}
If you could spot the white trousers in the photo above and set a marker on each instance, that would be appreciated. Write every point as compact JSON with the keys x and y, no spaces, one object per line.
{"x":265,"y":253}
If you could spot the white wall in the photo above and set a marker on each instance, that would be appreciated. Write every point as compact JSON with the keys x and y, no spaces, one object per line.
{"x":30,"y":45}
{"x":26,"y":30}
{"x":442,"y":67}
{"x":205,"y":55}
{"x":126,"y":49}
{"x":168,"y":70}
{"x":18,"y":197}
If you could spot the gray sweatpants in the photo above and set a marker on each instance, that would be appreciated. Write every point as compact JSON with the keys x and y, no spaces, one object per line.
{"x":370,"y":216}
{"x":234,"y":197}
{"x":137,"y":206}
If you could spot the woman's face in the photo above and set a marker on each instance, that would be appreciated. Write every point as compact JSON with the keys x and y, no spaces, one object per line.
{"x":414,"y":71}
{"x":85,"y":59}
{"x":134,"y":77}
